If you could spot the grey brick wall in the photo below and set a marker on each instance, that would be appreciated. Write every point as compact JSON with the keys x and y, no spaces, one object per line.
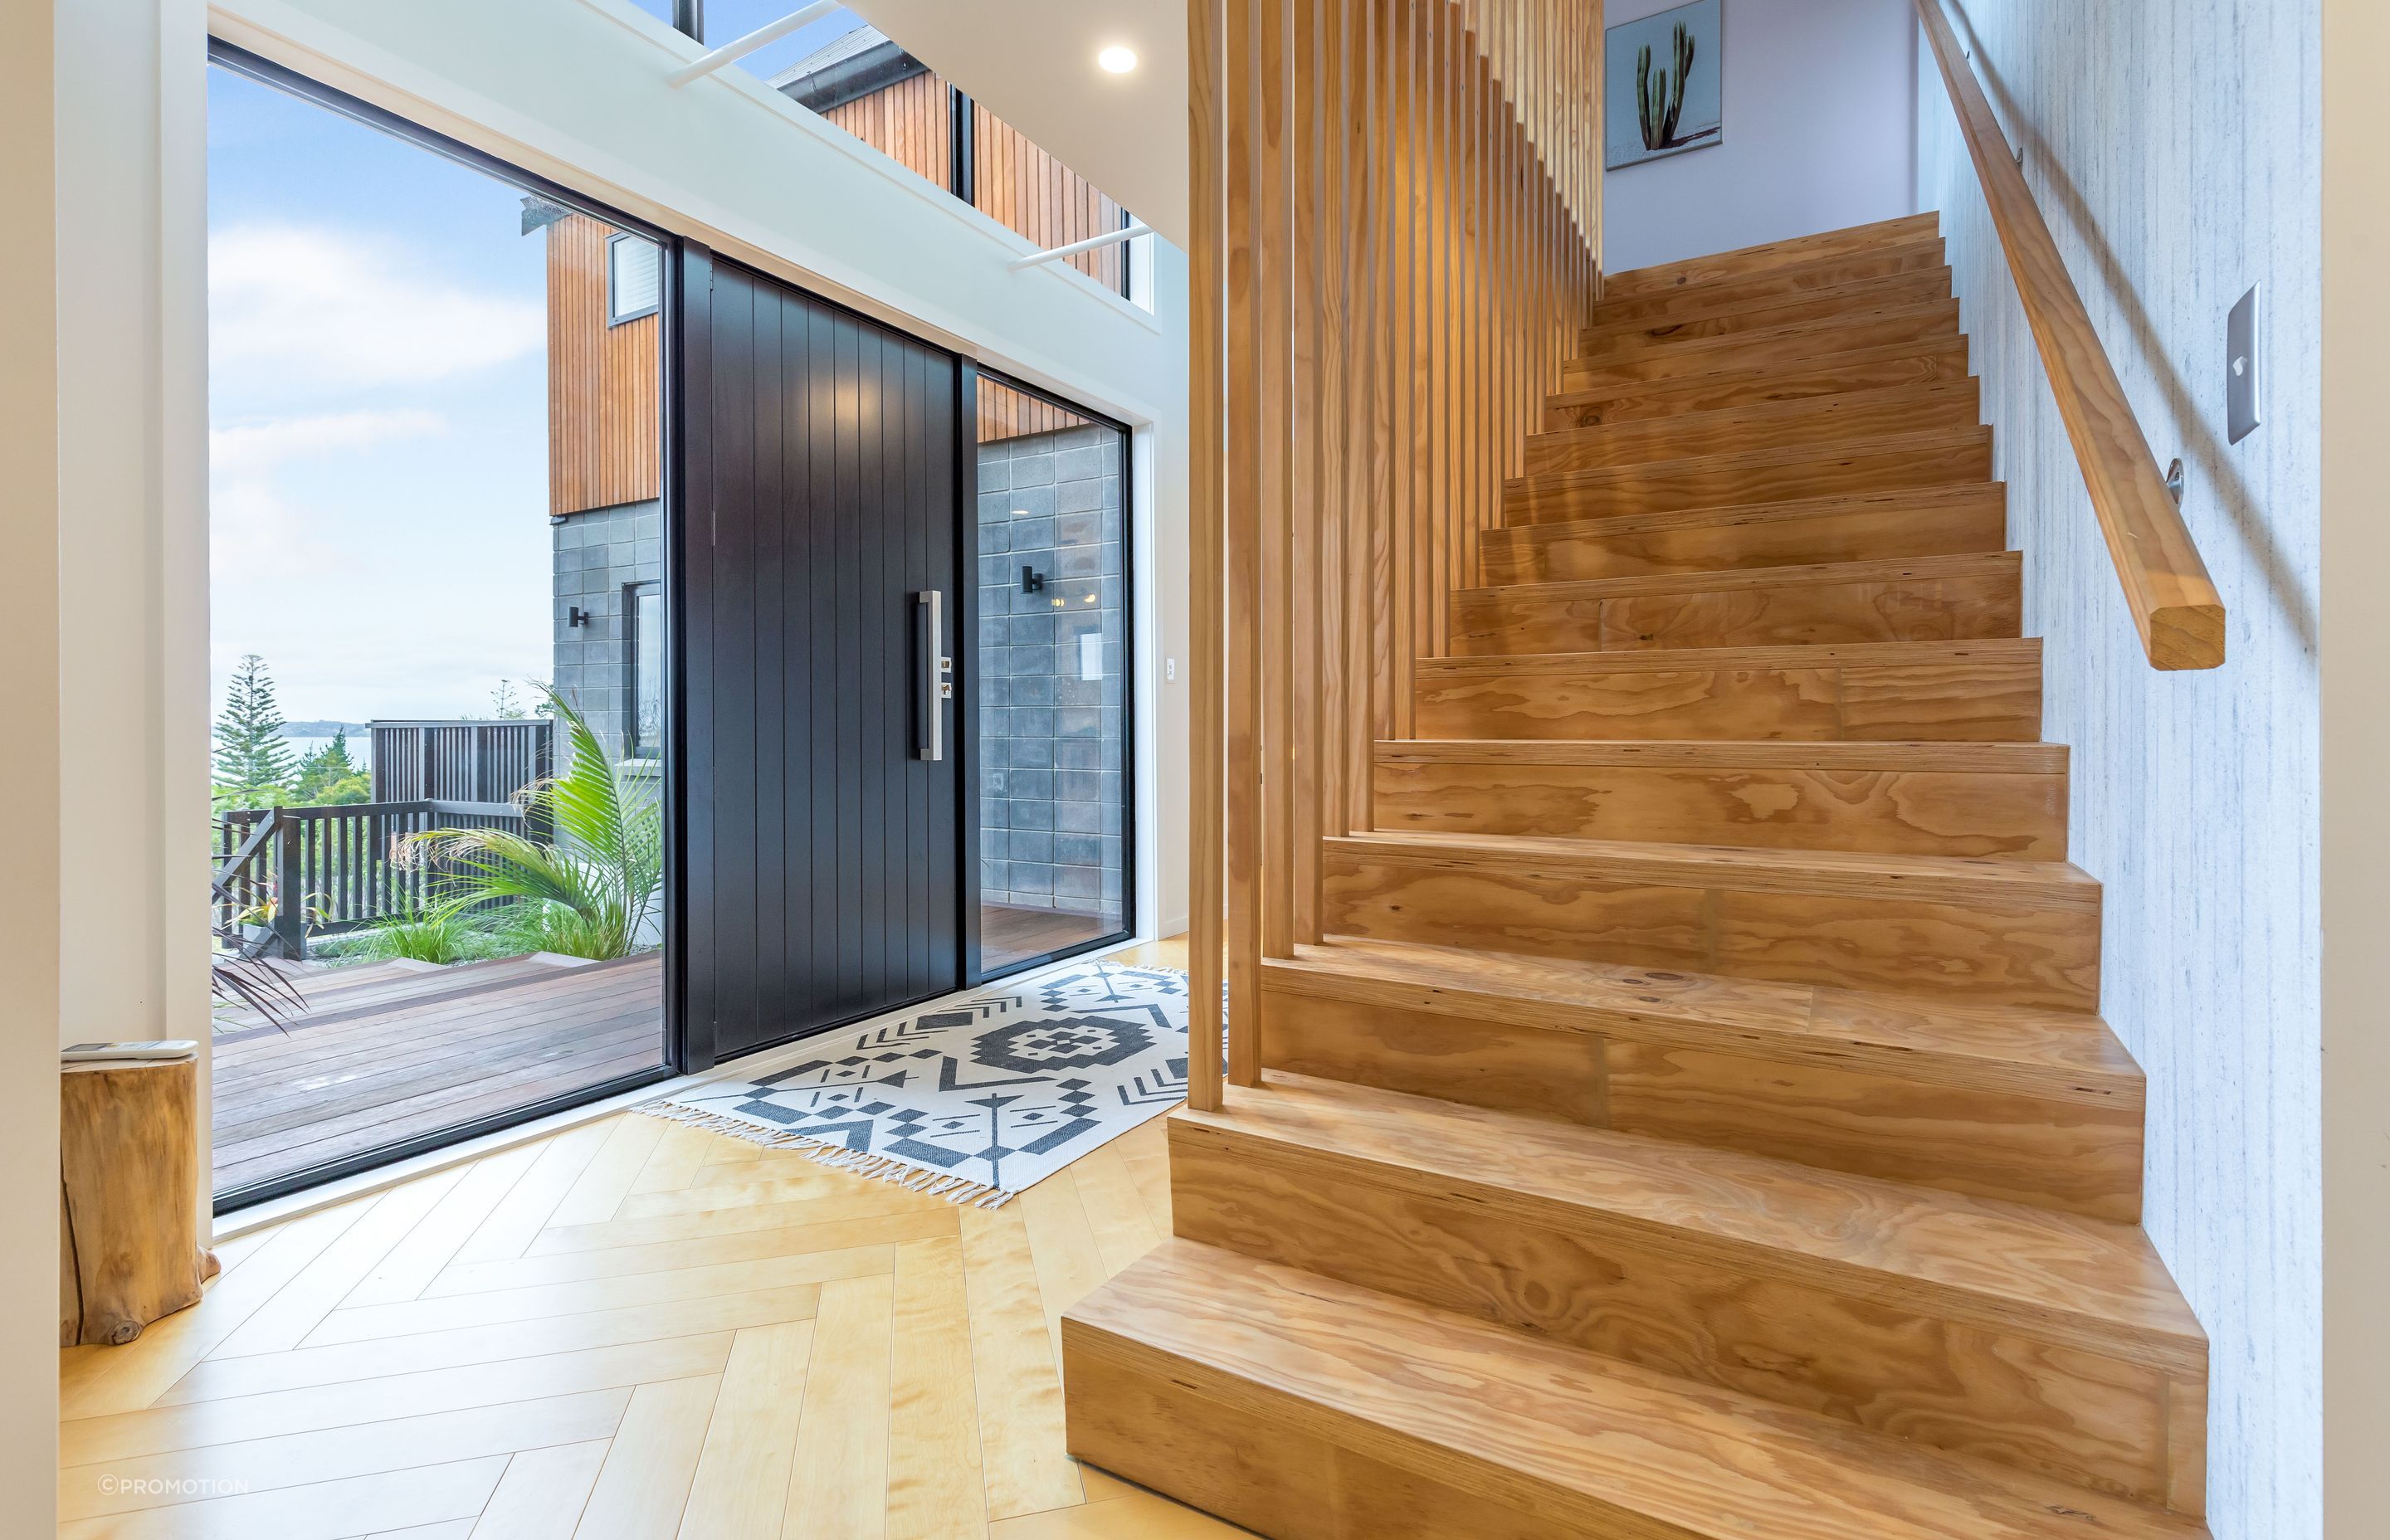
{"x":596,"y":554}
{"x":1051,"y":783}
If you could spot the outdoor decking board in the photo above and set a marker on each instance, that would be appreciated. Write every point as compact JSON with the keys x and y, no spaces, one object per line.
{"x":1010,"y":932}
{"x":285,"y":1102}
{"x":328,"y":996}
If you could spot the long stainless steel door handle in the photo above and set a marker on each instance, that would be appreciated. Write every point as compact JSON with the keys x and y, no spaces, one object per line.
{"x":937,"y":675}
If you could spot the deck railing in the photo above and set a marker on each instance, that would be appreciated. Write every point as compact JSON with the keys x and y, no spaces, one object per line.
{"x":297,"y":872}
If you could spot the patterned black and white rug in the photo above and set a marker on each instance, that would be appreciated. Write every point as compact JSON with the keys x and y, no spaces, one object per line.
{"x":976,"y":1100}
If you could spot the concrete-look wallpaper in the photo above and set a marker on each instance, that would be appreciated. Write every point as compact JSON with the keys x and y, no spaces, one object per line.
{"x":2174,"y":150}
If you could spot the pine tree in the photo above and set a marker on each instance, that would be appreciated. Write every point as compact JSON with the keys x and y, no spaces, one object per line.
{"x":254,"y":762}
{"x":505,"y":704}
{"x":328,"y":778}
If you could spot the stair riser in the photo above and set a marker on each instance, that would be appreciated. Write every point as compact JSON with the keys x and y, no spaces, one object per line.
{"x":1990,"y":698}
{"x":1489,"y":622}
{"x":1929,"y":1370}
{"x":1726,"y":481}
{"x":1886,"y":529}
{"x":1734,"y":320}
{"x":1792,"y":347}
{"x":1887,"y":812}
{"x":1780,"y":426}
{"x":1924,"y":256}
{"x":1246,"y":1453}
{"x":2001,"y":947}
{"x":1772,"y":258}
{"x":2077,"y":1154}
{"x":1903,"y":365}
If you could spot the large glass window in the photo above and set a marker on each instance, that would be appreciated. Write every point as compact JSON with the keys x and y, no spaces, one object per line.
{"x":867,"y":83}
{"x":437,"y":564}
{"x":1052,"y":669}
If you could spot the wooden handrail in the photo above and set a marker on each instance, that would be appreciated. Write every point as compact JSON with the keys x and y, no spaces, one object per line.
{"x":2174,"y":606}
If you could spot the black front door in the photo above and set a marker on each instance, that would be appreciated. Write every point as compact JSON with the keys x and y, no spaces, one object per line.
{"x":820,"y":583}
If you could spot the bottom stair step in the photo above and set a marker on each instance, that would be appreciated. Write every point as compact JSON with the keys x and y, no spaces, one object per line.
{"x":1308,"y":1410}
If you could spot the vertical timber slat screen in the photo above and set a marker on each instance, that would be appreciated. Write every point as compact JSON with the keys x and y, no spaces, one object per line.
{"x":1396,"y":230}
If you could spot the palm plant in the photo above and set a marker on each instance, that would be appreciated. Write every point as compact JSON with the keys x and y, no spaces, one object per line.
{"x":591,"y":891}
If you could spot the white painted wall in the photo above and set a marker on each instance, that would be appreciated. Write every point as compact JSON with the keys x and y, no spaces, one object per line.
{"x":2174,"y":150}
{"x":1820,"y":133}
{"x":28,"y":779}
{"x":2355,"y":866}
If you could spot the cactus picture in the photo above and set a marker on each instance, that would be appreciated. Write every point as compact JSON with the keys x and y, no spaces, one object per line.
{"x":1674,"y":105}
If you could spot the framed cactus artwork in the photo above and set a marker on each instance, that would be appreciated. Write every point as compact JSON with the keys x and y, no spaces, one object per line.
{"x":1663,"y":95}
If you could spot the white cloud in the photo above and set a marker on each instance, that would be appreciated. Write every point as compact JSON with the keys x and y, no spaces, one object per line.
{"x":319,"y":308}
{"x":252,"y":449}
{"x":251,"y":523}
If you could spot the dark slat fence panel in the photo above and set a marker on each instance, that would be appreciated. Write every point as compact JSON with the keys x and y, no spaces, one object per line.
{"x":326,"y":870}
{"x":460,"y":760}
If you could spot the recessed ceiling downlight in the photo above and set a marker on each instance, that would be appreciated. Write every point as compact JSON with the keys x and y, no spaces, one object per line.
{"x":1117,"y":59}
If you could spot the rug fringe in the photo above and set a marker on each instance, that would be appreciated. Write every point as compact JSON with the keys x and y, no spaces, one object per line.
{"x":959,"y":1190}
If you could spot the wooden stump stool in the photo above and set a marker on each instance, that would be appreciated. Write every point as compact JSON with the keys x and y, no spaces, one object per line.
{"x":129,"y":1223}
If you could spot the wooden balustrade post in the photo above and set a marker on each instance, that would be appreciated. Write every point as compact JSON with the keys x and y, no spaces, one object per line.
{"x":290,"y":887}
{"x":1205,"y":671}
{"x":1247,"y":449}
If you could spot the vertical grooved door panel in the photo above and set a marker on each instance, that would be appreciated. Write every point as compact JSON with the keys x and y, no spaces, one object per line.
{"x":824,"y":878}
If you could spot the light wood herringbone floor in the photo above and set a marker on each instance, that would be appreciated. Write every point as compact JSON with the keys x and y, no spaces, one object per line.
{"x":629,"y":1329}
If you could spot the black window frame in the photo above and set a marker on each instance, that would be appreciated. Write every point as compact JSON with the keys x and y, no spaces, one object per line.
{"x":975,"y":972}
{"x":635,"y":746}
{"x":672,"y":1026}
{"x":616,"y":318}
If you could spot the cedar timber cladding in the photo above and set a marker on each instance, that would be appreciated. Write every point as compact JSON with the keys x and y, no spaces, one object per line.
{"x":602,"y":381}
{"x":909,"y":122}
{"x":891,"y":101}
{"x":1024,"y":190}
{"x":1005,"y":413}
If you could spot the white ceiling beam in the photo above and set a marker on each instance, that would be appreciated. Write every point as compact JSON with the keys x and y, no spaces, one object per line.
{"x":762,"y":37}
{"x":1109,"y":237}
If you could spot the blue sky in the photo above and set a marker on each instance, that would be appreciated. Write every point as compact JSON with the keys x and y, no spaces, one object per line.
{"x":378,"y":396}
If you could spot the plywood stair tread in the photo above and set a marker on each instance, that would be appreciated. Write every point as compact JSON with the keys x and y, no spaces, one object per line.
{"x":1960,"y":565}
{"x":2016,"y":759}
{"x":1955,"y":878}
{"x":1901,"y":500}
{"x":1738,"y":658}
{"x":1927,"y":442}
{"x":1999,"y":1265}
{"x":1584,"y":1443}
{"x":1792,"y":343}
{"x":1756,"y":312}
{"x":1829,"y":271}
{"x":1772,"y":256}
{"x":2022,"y":1048}
{"x":1807,"y":419}
{"x":1833,"y":371}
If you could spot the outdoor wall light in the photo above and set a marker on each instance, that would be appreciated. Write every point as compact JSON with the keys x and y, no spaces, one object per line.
{"x":1033,"y":581}
{"x":576,"y":617}
{"x":1117,"y":59}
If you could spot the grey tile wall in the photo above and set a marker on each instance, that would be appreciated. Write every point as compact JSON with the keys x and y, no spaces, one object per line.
{"x":597,"y":554}
{"x":1052,"y":672}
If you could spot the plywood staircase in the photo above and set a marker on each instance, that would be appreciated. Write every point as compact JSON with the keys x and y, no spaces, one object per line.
{"x":1695,"y":1121}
